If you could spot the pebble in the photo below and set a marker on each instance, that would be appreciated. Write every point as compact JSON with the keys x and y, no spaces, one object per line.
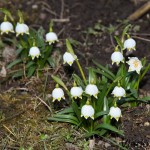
{"x":107,"y":145}
{"x":146,"y":124}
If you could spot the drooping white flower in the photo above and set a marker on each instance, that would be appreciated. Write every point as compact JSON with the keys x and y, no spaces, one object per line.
{"x":34,"y":52}
{"x":119,"y":92}
{"x":58,"y":94}
{"x":134,"y":64}
{"x":69,"y":58}
{"x":6,"y":27}
{"x":87,"y":111}
{"x":76,"y":92}
{"x":130,"y":44}
{"x":115,"y":112}
{"x":92,"y":90}
{"x":21,"y":28}
{"x":117,"y":57}
{"x":51,"y":37}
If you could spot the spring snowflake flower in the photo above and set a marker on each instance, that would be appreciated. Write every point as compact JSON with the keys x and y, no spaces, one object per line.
{"x":6,"y":27}
{"x":117,"y":57}
{"x":130,"y":44}
{"x":58,"y":94}
{"x":51,"y":37}
{"x":69,"y":58}
{"x":76,"y":92}
{"x":21,"y":28}
{"x":91,"y":89}
{"x":115,"y":112}
{"x":87,"y":111}
{"x":34,"y":52}
{"x":134,"y":64}
{"x":119,"y":92}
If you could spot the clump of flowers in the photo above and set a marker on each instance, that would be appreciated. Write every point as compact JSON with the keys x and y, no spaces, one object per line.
{"x":95,"y":101}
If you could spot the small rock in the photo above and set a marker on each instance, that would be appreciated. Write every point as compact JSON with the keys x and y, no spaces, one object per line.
{"x":91,"y":144}
{"x":100,"y":142}
{"x":70,"y":146}
{"x":35,"y":7}
{"x":42,"y":16}
{"x":107,"y":145}
{"x":3,"y":72}
{"x":146,"y":124}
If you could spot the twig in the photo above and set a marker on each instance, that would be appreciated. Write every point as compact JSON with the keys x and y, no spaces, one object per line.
{"x":140,"y":38}
{"x":9,"y":131}
{"x":42,"y":101}
{"x":138,"y":13}
{"x":61,"y":20}
{"x":62,"y":9}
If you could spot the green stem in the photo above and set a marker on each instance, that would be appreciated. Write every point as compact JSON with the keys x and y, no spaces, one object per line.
{"x":81,"y":70}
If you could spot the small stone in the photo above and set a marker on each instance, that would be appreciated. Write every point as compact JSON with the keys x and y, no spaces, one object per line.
{"x":100,"y":142}
{"x":146,"y":124}
{"x":34,"y":6}
{"x":107,"y":145}
{"x":91,"y":144}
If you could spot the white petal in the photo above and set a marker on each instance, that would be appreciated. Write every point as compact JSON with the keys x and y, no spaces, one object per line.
{"x":68,"y":58}
{"x":91,"y":89}
{"x":76,"y":91}
{"x":117,"y":57}
{"x":129,"y":43}
{"x":87,"y":111}
{"x":57,"y":93}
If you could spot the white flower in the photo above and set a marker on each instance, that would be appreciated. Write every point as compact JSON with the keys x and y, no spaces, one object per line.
{"x":76,"y":92}
{"x":34,"y":52}
{"x":115,"y":112}
{"x":6,"y":27}
{"x":91,"y":89}
{"x":22,"y":28}
{"x":51,"y":37}
{"x":69,"y":58}
{"x":130,"y":44}
{"x":119,"y":92}
{"x":134,"y":64}
{"x":58,"y":94}
{"x":87,"y":111}
{"x":117,"y":57}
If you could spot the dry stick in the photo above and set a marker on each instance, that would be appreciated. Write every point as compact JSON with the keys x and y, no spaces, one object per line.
{"x":62,"y":9}
{"x":44,"y":103}
{"x":138,"y":13}
{"x":9,"y":131}
{"x":140,"y":38}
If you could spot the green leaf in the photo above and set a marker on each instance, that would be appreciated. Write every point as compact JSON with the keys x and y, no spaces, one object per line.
{"x":62,"y":120}
{"x":109,"y":127}
{"x":104,"y":69}
{"x":15,"y":62}
{"x":18,"y":74}
{"x":6,"y":12}
{"x":62,"y":116}
{"x":29,"y":64}
{"x":92,"y":76}
{"x":99,"y":114}
{"x":76,"y":110}
{"x":99,"y":133}
{"x":66,"y":111}
{"x":31,"y":71}
{"x":78,"y":80}
{"x":146,"y":98}
{"x":125,"y":31}
{"x":69,"y":47}
{"x":59,"y":81}
{"x":51,"y":62}
{"x":119,"y":42}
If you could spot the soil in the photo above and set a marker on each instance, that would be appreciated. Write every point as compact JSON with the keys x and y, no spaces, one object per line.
{"x":23,"y":115}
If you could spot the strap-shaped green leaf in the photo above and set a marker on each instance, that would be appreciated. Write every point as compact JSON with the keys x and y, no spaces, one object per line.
{"x":99,"y":114}
{"x":15,"y":62}
{"x":109,"y":127}
{"x":66,"y":111}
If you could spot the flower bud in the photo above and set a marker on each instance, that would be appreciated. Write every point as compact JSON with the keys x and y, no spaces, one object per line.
{"x":129,"y":44}
{"x":34,"y":52}
{"x":117,"y":57}
{"x":91,"y":89}
{"x":76,"y":92}
{"x":58,"y":94}
{"x":51,"y":37}
{"x":115,"y":112}
{"x":134,"y":64}
{"x":68,"y":58}
{"x":6,"y":27}
{"x":87,"y":111}
{"x":119,"y":92}
{"x":21,"y":28}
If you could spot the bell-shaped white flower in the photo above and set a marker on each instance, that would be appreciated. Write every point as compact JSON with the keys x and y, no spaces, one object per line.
{"x":51,"y":37}
{"x":69,"y":58}
{"x":115,"y":112}
{"x":58,"y":94}
{"x":92,"y":90}
{"x":6,"y":27}
{"x":34,"y":52}
{"x":21,"y":28}
{"x":129,"y":44}
{"x":134,"y":64}
{"x":87,"y":111}
{"x":117,"y":57}
{"x":76,"y":92}
{"x":119,"y":92}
